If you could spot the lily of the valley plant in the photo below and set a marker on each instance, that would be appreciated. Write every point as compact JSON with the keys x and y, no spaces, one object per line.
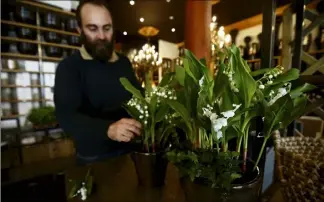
{"x":153,"y":112}
{"x":219,"y":110}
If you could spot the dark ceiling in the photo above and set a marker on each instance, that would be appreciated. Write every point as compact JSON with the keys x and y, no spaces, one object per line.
{"x":156,"y":13}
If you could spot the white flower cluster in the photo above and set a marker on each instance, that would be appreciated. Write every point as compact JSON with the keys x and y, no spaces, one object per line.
{"x":170,"y":117}
{"x":164,"y":93}
{"x":83,"y":192}
{"x":274,"y":96}
{"x":268,"y":77}
{"x":232,"y":82}
{"x":141,"y":107}
{"x":218,"y":122}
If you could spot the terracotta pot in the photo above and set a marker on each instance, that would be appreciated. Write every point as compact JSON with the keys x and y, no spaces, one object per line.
{"x":150,"y":168}
{"x":246,"y":189}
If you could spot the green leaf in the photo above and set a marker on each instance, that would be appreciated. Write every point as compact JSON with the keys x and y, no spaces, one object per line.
{"x":290,"y":75}
{"x":196,"y":66}
{"x":180,"y":74}
{"x":221,"y":81}
{"x":161,"y":112}
{"x":276,"y":113}
{"x":130,"y":88}
{"x":301,"y":89}
{"x":188,"y":71}
{"x":260,"y":72}
{"x":152,"y":104}
{"x":298,"y":110}
{"x":203,"y":61}
{"x":167,"y":79}
{"x":131,"y":111}
{"x":179,"y":108}
{"x":244,"y":81}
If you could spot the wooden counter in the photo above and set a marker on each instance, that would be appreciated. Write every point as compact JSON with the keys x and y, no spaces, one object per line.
{"x":116,"y":181}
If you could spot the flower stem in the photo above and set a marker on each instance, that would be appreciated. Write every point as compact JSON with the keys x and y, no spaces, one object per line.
{"x":246,"y":137}
{"x":239,"y":142}
{"x":261,"y":152}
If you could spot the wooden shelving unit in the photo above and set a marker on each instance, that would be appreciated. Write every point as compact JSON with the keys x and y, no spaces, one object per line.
{"x":39,"y":8}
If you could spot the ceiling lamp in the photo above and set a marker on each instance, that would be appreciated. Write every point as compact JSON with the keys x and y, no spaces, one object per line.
{"x":218,"y":37}
{"x":132,"y":2}
{"x":125,"y":33}
{"x":171,"y":17}
{"x":142,"y":19}
{"x":173,"y":30}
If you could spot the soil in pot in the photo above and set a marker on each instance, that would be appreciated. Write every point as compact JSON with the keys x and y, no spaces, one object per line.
{"x":150,"y":168}
{"x":245,"y":189}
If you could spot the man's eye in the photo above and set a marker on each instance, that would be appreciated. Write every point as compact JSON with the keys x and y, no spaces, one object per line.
{"x":107,"y":28}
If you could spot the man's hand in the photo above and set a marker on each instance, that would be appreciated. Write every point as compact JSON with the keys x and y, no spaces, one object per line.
{"x":124,"y":130}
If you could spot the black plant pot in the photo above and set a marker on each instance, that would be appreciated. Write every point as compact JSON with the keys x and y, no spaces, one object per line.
{"x":245,"y":189}
{"x":150,"y":168}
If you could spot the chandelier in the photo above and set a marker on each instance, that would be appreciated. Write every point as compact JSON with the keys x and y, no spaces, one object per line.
{"x":218,"y":37}
{"x":145,"y":61}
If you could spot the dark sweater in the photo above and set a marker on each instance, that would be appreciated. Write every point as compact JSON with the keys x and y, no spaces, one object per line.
{"x":88,"y":98}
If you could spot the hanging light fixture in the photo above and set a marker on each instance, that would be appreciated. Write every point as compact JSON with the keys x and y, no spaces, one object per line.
{"x":219,"y":38}
{"x":145,"y":61}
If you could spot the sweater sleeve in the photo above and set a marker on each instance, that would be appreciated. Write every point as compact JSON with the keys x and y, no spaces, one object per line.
{"x":68,"y":100}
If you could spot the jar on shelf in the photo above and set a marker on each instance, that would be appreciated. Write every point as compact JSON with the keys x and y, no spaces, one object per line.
{"x":6,"y":109}
{"x":71,"y":25}
{"x":73,"y":40}
{"x":4,"y":79}
{"x":51,"y":20}
{"x":52,"y":51}
{"x":25,"y":15}
{"x":6,"y":94}
{"x":52,"y":37}
{"x":35,"y":94}
{"x":34,"y":79}
{"x":27,"y":48}
{"x":26,"y":33}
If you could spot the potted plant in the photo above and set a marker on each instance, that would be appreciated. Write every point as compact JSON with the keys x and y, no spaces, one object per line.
{"x":158,"y":121}
{"x":42,"y":117}
{"x":217,"y":113}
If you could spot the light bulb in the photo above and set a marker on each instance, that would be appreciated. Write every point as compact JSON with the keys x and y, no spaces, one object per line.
{"x":214,"y":18}
{"x":132,"y":2}
{"x":142,"y":19}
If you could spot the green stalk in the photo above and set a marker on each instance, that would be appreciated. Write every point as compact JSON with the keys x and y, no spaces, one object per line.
{"x":153,"y":135}
{"x":246,"y":137}
{"x":261,"y":152}
{"x":239,"y":142}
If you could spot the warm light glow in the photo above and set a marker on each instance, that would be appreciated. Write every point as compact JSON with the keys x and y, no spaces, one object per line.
{"x":173,"y":30}
{"x":218,"y":36}
{"x":228,"y":38}
{"x":168,"y":1}
{"x":132,"y":2}
{"x":214,"y":18}
{"x":171,"y":17}
{"x":142,"y":19}
{"x":125,"y":33}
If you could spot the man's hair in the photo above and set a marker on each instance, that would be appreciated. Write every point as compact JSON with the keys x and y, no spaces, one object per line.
{"x":95,"y":2}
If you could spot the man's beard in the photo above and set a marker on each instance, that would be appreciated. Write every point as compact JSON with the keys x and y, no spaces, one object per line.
{"x":99,"y":49}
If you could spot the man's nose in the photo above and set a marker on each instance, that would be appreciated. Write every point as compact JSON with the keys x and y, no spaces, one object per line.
{"x":101,"y":35}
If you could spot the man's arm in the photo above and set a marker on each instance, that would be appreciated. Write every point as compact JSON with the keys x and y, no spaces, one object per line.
{"x":68,"y":99}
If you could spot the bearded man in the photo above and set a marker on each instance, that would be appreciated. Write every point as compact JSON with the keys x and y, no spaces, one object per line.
{"x":88,"y":95}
